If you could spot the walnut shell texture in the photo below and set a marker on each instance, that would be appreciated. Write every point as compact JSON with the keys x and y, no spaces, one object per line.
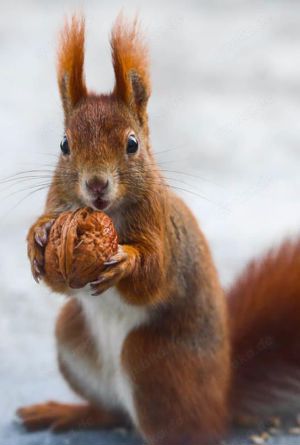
{"x":78,"y":245}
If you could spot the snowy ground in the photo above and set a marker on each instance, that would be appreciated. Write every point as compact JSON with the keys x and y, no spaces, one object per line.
{"x":225,"y":106}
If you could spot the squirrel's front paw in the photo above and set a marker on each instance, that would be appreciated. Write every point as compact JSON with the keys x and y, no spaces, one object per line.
{"x":37,"y":240}
{"x":116,"y":268}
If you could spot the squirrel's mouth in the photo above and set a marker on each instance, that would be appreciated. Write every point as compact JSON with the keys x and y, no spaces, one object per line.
{"x":100,"y":204}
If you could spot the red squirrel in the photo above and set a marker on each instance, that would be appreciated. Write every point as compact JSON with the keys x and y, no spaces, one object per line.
{"x":155,"y":343}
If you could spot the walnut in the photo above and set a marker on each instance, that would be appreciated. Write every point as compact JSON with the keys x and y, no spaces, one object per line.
{"x":78,"y":245}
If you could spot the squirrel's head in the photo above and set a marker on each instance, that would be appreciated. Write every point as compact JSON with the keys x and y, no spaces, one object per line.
{"x":105,"y":153}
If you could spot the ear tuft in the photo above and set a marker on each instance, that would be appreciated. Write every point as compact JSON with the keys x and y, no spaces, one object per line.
{"x":131,"y":66}
{"x":70,"y":64}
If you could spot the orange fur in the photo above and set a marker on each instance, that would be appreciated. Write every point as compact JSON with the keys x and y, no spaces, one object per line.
{"x":70,"y":64}
{"x":264,"y":308}
{"x":63,"y":416}
{"x":131,"y":65}
{"x":166,"y":270}
{"x":178,"y":363}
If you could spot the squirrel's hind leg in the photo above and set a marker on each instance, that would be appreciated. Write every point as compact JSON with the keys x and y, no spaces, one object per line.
{"x":72,"y":335}
{"x":61,"y":417}
{"x":180,"y":392}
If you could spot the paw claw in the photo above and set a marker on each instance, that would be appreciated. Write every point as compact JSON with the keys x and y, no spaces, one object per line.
{"x":39,"y":240}
{"x":111,"y":262}
{"x":94,"y":284}
{"x":113,"y":271}
{"x":49,"y":224}
{"x":37,"y":271}
{"x":42,"y":233}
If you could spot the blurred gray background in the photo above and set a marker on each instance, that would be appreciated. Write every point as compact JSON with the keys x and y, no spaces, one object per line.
{"x":225,"y":122}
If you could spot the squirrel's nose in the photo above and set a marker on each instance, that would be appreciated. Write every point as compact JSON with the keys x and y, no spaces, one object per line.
{"x":97,"y":185}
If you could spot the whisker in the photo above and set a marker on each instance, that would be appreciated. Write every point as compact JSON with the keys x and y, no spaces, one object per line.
{"x":163,"y":170}
{"x":51,"y":181}
{"x":175,"y":179}
{"x":20,"y":182}
{"x":24,"y":172}
{"x":20,"y":202}
{"x":17,"y":180}
{"x":175,"y":187}
{"x":218,"y":204}
{"x":40,"y":164}
{"x":37,"y":173}
{"x":191,"y":176}
{"x":24,"y":189}
{"x":55,"y":155}
{"x":167,"y":150}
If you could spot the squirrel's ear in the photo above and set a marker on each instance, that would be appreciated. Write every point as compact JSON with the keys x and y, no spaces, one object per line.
{"x":131,"y":67}
{"x":70,"y":73}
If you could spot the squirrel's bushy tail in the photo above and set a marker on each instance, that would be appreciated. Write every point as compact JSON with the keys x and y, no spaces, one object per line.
{"x":264,"y":311}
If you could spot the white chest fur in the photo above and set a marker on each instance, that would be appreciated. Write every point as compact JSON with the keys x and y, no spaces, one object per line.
{"x":110,"y":320}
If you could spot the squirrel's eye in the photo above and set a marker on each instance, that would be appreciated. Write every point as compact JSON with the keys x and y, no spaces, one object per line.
{"x":132,"y":144}
{"x":64,"y":146}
